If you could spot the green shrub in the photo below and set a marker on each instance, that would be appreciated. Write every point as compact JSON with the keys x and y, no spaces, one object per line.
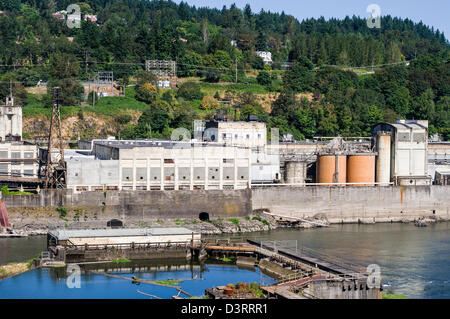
{"x":264,"y":78}
{"x":233,"y":220}
{"x":261,"y":220}
{"x":62,"y":212}
{"x":190,"y":91}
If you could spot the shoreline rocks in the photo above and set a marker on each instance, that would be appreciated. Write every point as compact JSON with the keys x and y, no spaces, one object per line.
{"x":253,"y":223}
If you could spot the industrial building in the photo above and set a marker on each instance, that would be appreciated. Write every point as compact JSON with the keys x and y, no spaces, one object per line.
{"x":10,"y":121}
{"x":18,"y":159}
{"x":396,"y":154}
{"x":248,"y":134}
{"x":121,"y":236}
{"x":402,"y":152}
{"x":252,"y":134}
{"x":158,"y":165}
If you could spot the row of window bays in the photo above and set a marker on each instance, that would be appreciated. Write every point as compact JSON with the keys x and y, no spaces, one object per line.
{"x":17,"y":168}
{"x":178,"y":165}
{"x":184,"y":170}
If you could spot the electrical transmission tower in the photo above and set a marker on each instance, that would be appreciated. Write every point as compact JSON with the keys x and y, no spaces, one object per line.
{"x":55,"y":172}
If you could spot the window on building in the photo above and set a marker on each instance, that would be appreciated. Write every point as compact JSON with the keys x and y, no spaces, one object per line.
{"x":3,"y":169}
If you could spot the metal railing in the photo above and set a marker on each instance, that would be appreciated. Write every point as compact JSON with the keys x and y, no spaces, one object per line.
{"x":369,"y":184}
{"x":159,"y":245}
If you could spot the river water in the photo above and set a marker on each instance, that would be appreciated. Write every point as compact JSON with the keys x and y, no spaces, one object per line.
{"x":414,"y":262}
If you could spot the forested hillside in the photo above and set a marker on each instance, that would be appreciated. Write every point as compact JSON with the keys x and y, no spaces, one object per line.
{"x":318,"y":95}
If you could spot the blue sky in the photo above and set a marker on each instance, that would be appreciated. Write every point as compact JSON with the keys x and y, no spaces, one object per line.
{"x":432,"y":12}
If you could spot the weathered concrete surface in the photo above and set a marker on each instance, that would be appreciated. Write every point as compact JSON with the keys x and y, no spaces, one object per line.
{"x":133,"y":254}
{"x":355,"y":204}
{"x":348,"y":289}
{"x":336,"y":204}
{"x":140,"y":204}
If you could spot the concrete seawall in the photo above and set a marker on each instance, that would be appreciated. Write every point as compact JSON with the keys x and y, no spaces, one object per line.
{"x":132,"y":205}
{"x":337,"y":204}
{"x":355,"y":204}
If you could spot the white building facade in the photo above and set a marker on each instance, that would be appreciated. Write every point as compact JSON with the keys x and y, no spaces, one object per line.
{"x":10,"y":121}
{"x":160,"y":165}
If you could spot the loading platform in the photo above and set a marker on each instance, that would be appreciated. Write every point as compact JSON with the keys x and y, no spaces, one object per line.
{"x":333,"y":267}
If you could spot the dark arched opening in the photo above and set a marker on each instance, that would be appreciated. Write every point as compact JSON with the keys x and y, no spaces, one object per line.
{"x":114,"y":223}
{"x":203,"y":216}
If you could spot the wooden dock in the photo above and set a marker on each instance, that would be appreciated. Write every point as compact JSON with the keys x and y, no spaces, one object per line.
{"x":325,"y":265}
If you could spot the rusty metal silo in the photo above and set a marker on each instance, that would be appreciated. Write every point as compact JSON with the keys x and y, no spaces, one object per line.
{"x":383,"y":169}
{"x":331,"y":169}
{"x":361,"y":169}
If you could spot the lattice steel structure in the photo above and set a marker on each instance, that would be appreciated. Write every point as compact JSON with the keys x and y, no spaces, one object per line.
{"x":161,"y":68}
{"x":55,"y":169}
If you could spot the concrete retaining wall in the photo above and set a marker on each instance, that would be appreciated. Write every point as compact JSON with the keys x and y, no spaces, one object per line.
{"x":355,"y":204}
{"x":337,"y":204}
{"x":138,"y":205}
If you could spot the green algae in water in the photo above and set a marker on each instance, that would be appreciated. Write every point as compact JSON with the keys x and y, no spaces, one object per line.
{"x":121,"y":260}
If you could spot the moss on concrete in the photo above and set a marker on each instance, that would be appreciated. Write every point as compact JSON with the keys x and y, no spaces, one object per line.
{"x":394,"y":296}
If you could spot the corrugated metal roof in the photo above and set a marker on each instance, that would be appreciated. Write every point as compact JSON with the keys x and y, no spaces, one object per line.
{"x":64,"y":234}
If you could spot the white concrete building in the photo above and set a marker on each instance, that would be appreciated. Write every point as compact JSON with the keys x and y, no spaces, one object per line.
{"x":408,"y":151}
{"x":18,"y":159}
{"x":243,"y":134}
{"x":10,"y":120}
{"x":252,"y":135}
{"x":160,"y":165}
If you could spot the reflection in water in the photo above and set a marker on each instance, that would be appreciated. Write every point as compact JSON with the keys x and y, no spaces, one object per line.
{"x":413,"y":261}
{"x":196,"y":277}
{"x":21,"y":249}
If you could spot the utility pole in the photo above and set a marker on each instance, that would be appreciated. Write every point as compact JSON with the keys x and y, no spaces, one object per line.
{"x":236,"y":69}
{"x":86,"y":60}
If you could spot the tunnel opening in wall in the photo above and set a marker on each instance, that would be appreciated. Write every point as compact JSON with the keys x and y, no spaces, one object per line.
{"x":114,"y":223}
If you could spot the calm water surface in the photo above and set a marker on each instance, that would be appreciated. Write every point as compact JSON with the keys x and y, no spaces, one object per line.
{"x":52,"y":283}
{"x":414,"y":262}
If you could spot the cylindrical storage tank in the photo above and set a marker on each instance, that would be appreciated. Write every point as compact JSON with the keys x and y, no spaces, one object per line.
{"x":361,"y":169}
{"x":295,"y":172}
{"x":331,"y":169}
{"x":383,"y":169}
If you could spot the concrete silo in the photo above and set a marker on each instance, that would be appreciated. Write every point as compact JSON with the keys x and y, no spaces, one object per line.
{"x":383,"y":167}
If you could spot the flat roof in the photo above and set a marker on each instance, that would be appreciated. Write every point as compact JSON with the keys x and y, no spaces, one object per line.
{"x":130,"y":144}
{"x":64,"y":234}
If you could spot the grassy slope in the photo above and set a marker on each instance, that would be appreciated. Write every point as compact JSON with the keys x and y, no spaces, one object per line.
{"x":109,"y":106}
{"x":112,"y":106}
